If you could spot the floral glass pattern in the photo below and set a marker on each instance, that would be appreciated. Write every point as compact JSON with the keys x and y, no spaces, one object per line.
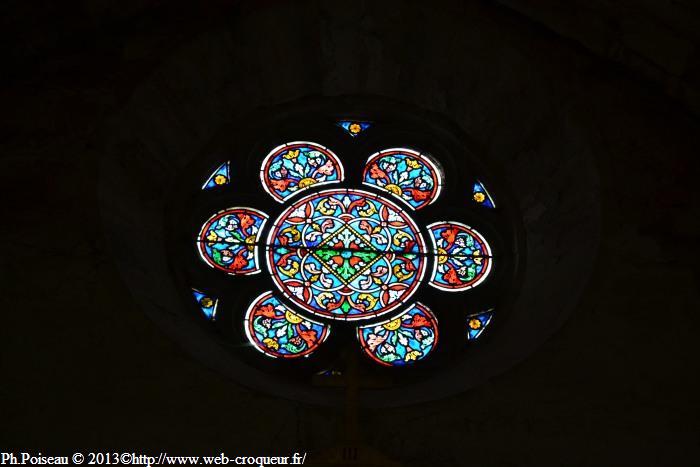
{"x":477,"y":322}
{"x":463,"y":257}
{"x":293,"y":167}
{"x":346,"y":254}
{"x":406,"y":174}
{"x":278,"y":332}
{"x":220,"y":177}
{"x":206,"y":303}
{"x":402,"y":340}
{"x":353,"y":128}
{"x":481,"y":196}
{"x":228,"y":240}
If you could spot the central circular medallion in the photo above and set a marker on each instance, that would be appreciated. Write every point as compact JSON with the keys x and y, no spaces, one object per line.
{"x":346,"y":254}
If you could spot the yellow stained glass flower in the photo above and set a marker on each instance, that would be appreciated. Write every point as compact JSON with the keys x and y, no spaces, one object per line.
{"x":393,"y":325}
{"x":250,"y":242}
{"x":293,"y":233}
{"x":370,"y":300}
{"x":291,"y":269}
{"x":476,"y":256}
{"x":395,"y":189}
{"x":306,"y":182}
{"x":412,"y":163}
{"x":355,"y":128}
{"x":293,"y":318}
{"x":206,"y":302}
{"x":220,"y":179}
{"x":400,"y":274}
{"x":271,"y":343}
{"x":474,"y":323}
{"x":291,"y":154}
{"x":442,"y":256}
{"x":479,"y":197}
{"x":412,"y":355}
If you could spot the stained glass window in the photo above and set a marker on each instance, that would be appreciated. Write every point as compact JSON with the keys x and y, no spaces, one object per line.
{"x":218,"y":178}
{"x":476,"y":324}
{"x":346,"y":254}
{"x":481,"y":196}
{"x":206,"y":303}
{"x":297,"y":166}
{"x":353,"y":128}
{"x":278,"y":332}
{"x":228,"y":240}
{"x":406,"y":174}
{"x":401,"y":340}
{"x":463,"y":257}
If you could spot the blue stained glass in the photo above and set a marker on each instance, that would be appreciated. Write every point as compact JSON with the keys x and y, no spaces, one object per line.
{"x":402,"y":340}
{"x":463,"y":257}
{"x":481,"y":196}
{"x":354,"y":127}
{"x":206,"y":303}
{"x":297,"y":166}
{"x":406,"y":174}
{"x":278,"y":332}
{"x":346,"y":254}
{"x":218,"y":178}
{"x":476,"y":324}
{"x":228,"y":240}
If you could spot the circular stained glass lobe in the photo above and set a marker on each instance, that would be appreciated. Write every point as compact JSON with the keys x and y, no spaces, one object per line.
{"x":280,"y":333}
{"x":406,"y":174}
{"x":463,"y":257}
{"x":293,"y":167}
{"x":227,"y":240}
{"x":402,"y":340}
{"x":346,"y":254}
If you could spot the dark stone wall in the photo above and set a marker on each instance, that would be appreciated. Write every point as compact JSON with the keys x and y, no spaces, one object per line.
{"x":82,"y":365}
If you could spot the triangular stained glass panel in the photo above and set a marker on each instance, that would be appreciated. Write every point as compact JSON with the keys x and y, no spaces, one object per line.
{"x":477,"y":323}
{"x":481,"y":196}
{"x":220,"y":177}
{"x":354,"y":127}
{"x":206,"y":303}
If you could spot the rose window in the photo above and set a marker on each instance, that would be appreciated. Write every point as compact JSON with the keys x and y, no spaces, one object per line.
{"x":344,"y":256}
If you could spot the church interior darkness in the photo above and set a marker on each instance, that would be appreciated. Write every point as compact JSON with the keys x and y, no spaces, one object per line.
{"x":581,"y":118}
